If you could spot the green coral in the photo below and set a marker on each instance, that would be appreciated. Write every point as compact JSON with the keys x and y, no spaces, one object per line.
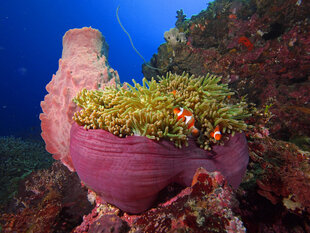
{"x":147,"y":109}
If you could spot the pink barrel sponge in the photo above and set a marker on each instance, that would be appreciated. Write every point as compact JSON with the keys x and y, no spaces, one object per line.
{"x":129,"y":172}
{"x":83,"y":65}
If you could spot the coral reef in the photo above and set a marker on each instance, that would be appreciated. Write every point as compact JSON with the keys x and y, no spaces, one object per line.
{"x":180,"y":18}
{"x":83,"y":65}
{"x":144,"y":103}
{"x":19,"y":157}
{"x":262,"y":49}
{"x":147,"y":110}
{"x":203,"y":207}
{"x":50,"y":200}
{"x":286,"y":175}
{"x":274,"y":64}
{"x":187,"y":210}
{"x":129,"y":172}
{"x":274,"y":193}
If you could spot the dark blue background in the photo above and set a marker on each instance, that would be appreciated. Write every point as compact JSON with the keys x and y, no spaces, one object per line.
{"x":31,"y":45}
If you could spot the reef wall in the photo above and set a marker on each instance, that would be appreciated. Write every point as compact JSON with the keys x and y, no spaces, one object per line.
{"x":262,"y":49}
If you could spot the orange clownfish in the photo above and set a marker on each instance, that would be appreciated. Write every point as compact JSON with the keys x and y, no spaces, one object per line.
{"x":216,"y":133}
{"x":188,"y":117}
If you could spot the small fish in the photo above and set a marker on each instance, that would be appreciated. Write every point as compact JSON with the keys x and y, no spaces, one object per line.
{"x":173,"y":92}
{"x":216,"y":133}
{"x":232,"y":16}
{"x":247,"y":43}
{"x":188,"y":117}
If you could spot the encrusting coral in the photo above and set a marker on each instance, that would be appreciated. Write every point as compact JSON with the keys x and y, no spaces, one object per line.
{"x":147,"y":109}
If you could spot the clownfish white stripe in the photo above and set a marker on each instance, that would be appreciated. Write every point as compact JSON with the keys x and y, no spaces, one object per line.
{"x":188,"y":118}
{"x":181,"y":111}
{"x":216,"y":134}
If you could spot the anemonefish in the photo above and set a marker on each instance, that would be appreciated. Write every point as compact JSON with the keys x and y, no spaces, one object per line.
{"x":188,"y":117}
{"x":216,"y":133}
{"x":173,"y":92}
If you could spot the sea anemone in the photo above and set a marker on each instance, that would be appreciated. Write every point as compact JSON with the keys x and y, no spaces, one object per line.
{"x":147,"y":109}
{"x":210,"y":101}
{"x":128,"y":169}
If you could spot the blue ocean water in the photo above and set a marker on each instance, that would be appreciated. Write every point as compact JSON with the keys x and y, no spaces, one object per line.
{"x":31,"y":45}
